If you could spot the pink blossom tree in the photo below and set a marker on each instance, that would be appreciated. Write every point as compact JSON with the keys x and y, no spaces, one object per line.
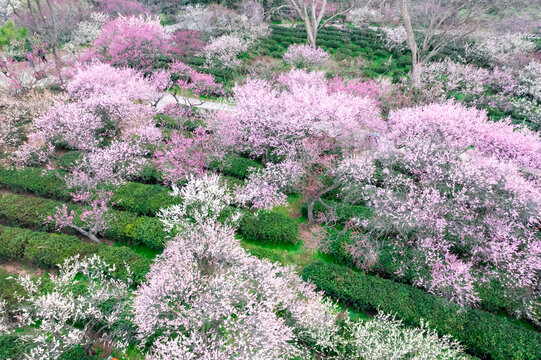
{"x":273,"y":119}
{"x":212,"y":291}
{"x":458,"y":202}
{"x":184,"y":155}
{"x":92,"y":221}
{"x":186,"y":43}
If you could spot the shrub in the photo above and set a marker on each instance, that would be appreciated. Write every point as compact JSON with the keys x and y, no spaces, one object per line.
{"x":48,"y":250}
{"x":143,"y":199}
{"x":305,"y":56}
{"x":238,"y":167}
{"x":483,"y":334}
{"x":69,"y":159}
{"x":343,"y":211}
{"x":126,"y":197}
{"x":269,"y":227}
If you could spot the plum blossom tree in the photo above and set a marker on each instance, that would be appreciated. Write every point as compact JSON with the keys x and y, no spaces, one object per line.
{"x":103,"y":103}
{"x":204,"y":199}
{"x":84,"y":292}
{"x":223,"y":51}
{"x":181,"y":155}
{"x":273,"y":119}
{"x":186,"y":43}
{"x":92,"y":221}
{"x":458,"y":203}
{"x":212,"y":290}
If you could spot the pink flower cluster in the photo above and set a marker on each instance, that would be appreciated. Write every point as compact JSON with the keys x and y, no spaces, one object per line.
{"x":275,"y":118}
{"x":182,"y":155}
{"x":357,"y":87}
{"x":465,"y":127}
{"x":305,"y":56}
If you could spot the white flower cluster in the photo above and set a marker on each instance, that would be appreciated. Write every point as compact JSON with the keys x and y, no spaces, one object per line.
{"x":52,"y":317}
{"x":363,"y":16}
{"x":203,"y":200}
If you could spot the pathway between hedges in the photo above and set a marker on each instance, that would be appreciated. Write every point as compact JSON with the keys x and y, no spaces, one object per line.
{"x":209,"y":105}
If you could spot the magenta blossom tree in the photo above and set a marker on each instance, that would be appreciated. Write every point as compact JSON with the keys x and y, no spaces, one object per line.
{"x":135,"y":42}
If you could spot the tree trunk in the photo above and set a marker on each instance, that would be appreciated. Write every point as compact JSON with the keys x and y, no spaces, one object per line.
{"x":86,"y":233}
{"x":311,"y":36}
{"x":412,"y":44}
{"x":310,"y":210}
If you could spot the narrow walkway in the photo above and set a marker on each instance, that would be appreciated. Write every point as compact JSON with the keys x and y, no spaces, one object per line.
{"x":209,"y":105}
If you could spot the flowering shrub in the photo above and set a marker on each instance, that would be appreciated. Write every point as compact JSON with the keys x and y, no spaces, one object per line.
{"x":394,"y":38}
{"x":305,"y":56}
{"x":503,"y":50}
{"x":135,"y":42}
{"x":364,"y":16}
{"x":223,"y":51}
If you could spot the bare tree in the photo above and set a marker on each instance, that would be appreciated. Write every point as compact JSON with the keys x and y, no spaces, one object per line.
{"x":52,"y":20}
{"x":440,"y":22}
{"x":312,"y":13}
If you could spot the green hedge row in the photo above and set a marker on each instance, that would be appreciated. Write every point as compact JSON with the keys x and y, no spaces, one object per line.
{"x":125,"y":227}
{"x":133,"y":198}
{"x":142,"y":199}
{"x":344,"y":211}
{"x":235,"y":166}
{"x":483,"y":334}
{"x":492,"y":295}
{"x":269,"y":227}
{"x":48,"y":250}
{"x":139,"y":198}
